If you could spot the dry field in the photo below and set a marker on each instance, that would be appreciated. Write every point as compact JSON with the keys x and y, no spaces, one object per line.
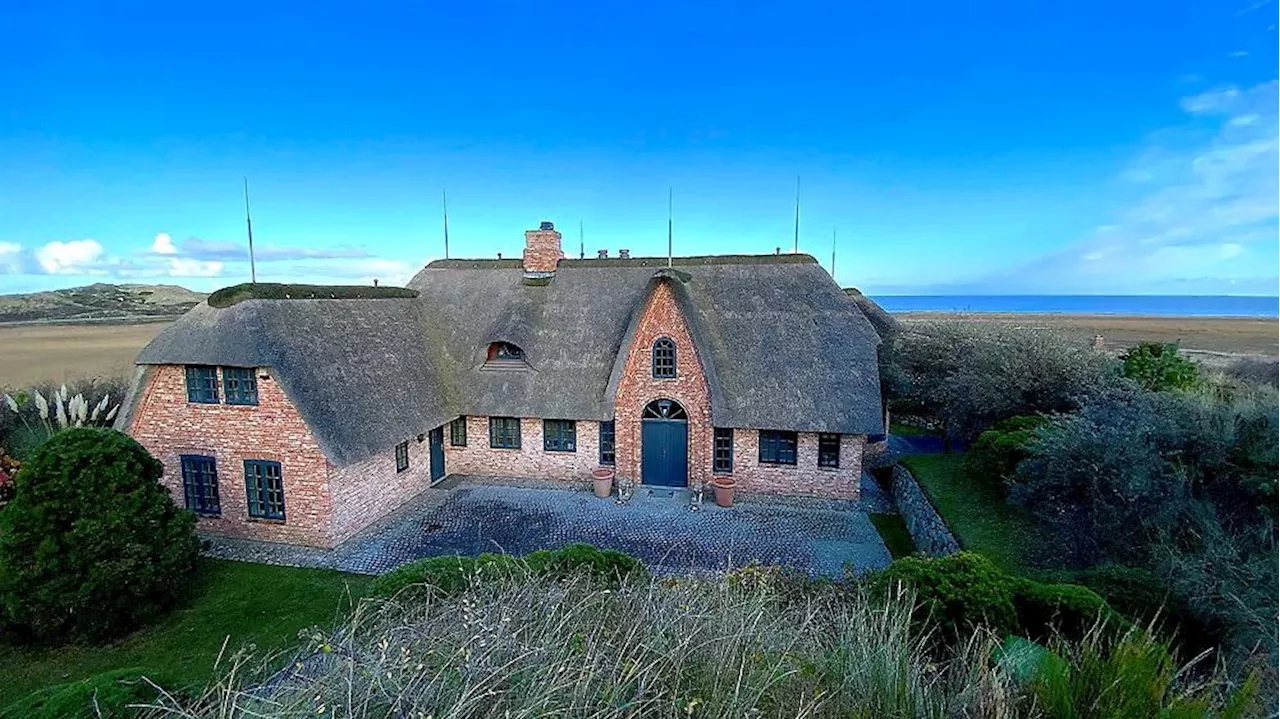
{"x":31,"y":354}
{"x":1201,"y":335}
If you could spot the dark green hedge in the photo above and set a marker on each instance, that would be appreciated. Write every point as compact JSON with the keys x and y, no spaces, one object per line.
{"x":229,"y":296}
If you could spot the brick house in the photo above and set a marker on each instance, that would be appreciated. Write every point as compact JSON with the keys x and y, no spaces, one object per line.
{"x":304,"y":420}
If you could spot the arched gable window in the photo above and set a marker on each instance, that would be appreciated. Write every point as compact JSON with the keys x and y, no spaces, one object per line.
{"x":664,"y":358}
{"x":504,"y":353}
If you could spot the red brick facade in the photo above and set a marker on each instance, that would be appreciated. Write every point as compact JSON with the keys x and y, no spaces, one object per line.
{"x":531,"y":460}
{"x":169,"y":426}
{"x":661,"y":317}
{"x":326,"y":504}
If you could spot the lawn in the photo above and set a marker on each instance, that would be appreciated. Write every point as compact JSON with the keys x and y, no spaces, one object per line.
{"x":976,"y":513}
{"x":894,"y":533}
{"x":237,"y":602}
{"x":910,"y":430}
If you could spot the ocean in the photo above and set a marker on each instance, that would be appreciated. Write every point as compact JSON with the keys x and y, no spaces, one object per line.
{"x":1165,"y":305}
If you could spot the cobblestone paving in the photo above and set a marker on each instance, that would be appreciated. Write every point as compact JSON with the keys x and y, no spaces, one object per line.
{"x":660,"y":528}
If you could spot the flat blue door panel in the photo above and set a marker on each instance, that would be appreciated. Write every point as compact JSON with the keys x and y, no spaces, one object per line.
{"x":437,"y":453}
{"x":664,"y":448}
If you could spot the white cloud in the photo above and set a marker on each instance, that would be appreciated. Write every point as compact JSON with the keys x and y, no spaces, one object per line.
{"x":185,"y":267}
{"x":1205,"y":207}
{"x":163,"y":245}
{"x":1238,"y":53}
{"x":70,"y":258}
{"x":11,"y":259}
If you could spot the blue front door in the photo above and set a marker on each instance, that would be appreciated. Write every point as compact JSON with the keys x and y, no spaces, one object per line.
{"x":664,"y":450}
{"x":436,"y":440}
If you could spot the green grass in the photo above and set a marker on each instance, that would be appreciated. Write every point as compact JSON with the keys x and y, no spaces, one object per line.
{"x":237,"y":602}
{"x":894,"y":533}
{"x":910,"y":430}
{"x":977,"y":513}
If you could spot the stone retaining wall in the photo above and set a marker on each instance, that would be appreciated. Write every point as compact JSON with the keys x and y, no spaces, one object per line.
{"x":928,"y":530}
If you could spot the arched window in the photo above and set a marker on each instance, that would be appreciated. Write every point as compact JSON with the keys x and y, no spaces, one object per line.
{"x":664,"y":358}
{"x":663,"y":409}
{"x":504,"y":353}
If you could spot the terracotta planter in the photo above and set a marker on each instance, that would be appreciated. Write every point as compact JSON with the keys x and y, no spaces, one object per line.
{"x":602,"y":481}
{"x":724,"y":491}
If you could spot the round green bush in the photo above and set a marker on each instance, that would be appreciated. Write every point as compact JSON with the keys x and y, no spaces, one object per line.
{"x":1067,"y":609}
{"x":92,"y":546}
{"x":958,"y":591}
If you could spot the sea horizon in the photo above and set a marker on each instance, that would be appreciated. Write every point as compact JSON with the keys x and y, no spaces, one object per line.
{"x":1252,"y":306}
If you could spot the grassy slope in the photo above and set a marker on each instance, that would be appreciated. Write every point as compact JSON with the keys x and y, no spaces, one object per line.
{"x":238,"y":602}
{"x":893,"y":530}
{"x":977,"y":514}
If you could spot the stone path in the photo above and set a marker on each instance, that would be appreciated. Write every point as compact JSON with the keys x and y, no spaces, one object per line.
{"x":659,"y":527}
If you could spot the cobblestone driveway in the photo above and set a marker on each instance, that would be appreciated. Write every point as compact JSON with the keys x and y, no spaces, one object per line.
{"x":659,"y":528}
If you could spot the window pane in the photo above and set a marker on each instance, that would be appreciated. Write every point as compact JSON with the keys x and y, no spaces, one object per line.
{"x":559,"y":435}
{"x":664,"y":358}
{"x":402,"y":456}
{"x":504,"y":432}
{"x":777,"y":447}
{"x":202,"y":384}
{"x":240,"y":385}
{"x":722,"y":460}
{"x":458,"y":432}
{"x":264,"y":489}
{"x":606,"y":443}
{"x":200,"y":484}
{"x":828,"y":450}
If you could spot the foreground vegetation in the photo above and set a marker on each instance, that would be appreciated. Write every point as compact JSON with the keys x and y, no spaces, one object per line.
{"x":234,"y":605}
{"x":755,"y":643}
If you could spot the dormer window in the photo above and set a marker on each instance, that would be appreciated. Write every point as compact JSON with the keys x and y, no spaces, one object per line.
{"x":664,"y":358}
{"x":504,"y":354}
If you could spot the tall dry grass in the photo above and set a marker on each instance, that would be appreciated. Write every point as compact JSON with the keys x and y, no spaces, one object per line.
{"x":523,"y":647}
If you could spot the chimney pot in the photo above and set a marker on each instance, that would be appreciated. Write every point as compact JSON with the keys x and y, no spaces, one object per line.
{"x":602,"y":254}
{"x":624,"y":254}
{"x":546,"y":226}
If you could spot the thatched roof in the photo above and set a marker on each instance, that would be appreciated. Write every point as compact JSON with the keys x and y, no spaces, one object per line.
{"x":784,"y":347}
{"x":884,"y":322}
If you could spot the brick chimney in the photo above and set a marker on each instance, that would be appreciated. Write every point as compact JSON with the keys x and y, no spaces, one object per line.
{"x":542,"y":249}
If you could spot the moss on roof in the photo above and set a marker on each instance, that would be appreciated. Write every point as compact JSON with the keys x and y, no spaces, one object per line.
{"x":228,"y":296}
{"x":787,"y":259}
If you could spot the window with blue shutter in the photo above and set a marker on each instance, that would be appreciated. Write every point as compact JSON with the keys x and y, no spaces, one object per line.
{"x":264,"y":487}
{"x":200,"y":484}
{"x":202,"y":384}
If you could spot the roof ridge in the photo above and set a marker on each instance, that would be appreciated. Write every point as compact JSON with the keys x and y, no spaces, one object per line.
{"x":688,"y":261}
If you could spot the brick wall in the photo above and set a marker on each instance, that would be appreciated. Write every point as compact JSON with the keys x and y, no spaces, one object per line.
{"x":367,"y":491}
{"x":542,"y":250}
{"x":531,"y":460}
{"x":661,"y":317}
{"x":805,"y":477}
{"x":169,"y":426}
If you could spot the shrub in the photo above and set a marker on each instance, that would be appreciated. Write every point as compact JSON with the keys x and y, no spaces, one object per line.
{"x":967,"y":375}
{"x":1255,"y":370}
{"x":1045,"y":610}
{"x":452,"y":574}
{"x":91,"y":545}
{"x":102,"y":696}
{"x":1159,"y":367}
{"x":994,"y":456}
{"x":959,"y":592}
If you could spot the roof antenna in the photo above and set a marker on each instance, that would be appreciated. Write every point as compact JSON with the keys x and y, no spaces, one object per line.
{"x":444,"y":203}
{"x":582,"y":242}
{"x":253,"y":270}
{"x":796,"y":247}
{"x":833,"y":253}
{"x":670,"y":207}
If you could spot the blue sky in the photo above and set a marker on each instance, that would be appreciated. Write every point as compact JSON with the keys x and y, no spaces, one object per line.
{"x":1089,"y":147}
